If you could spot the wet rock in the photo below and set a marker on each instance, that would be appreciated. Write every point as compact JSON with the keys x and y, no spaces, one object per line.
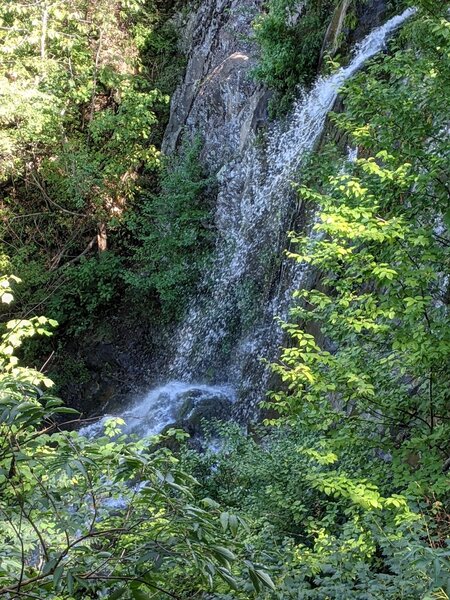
{"x":219,"y":99}
{"x":100,"y":354}
{"x":334,"y":31}
{"x":339,"y":37}
{"x":101,"y":371}
{"x":189,"y":400}
{"x":368,"y":16}
{"x":198,"y":406}
{"x":195,"y":407}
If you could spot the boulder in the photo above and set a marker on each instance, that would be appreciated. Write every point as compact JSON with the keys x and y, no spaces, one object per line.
{"x":197,"y":406}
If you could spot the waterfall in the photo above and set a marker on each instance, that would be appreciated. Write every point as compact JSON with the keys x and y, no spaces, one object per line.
{"x":230,"y":332}
{"x":254,"y":207}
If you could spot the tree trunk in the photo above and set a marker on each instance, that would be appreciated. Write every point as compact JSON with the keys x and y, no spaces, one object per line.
{"x":102,"y":238}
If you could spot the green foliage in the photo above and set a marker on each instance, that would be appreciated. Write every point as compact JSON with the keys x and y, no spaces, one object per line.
{"x":347,"y":496}
{"x":323,"y":529}
{"x":161,"y":51}
{"x":290,"y":46}
{"x":291,"y":36}
{"x":75,"y":131}
{"x":174,"y":232}
{"x":84,"y":91}
{"x":102,"y":517}
{"x":95,"y":287}
{"x":68,"y":79}
{"x":382,"y":306}
{"x":368,"y":367}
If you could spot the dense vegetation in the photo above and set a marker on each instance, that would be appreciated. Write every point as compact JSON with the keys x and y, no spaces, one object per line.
{"x":290,"y":36}
{"x":343,"y":491}
{"x":298,"y":39}
{"x":80,"y":517}
{"x":84,"y":89}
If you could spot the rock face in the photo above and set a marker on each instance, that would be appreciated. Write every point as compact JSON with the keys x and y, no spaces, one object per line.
{"x":218,"y":98}
{"x":105,"y":369}
{"x":369,"y":14}
{"x":333,"y":33}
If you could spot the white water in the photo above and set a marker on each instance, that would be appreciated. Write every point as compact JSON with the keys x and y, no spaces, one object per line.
{"x":254,"y":208}
{"x":160,"y":407}
{"x":232,"y":326}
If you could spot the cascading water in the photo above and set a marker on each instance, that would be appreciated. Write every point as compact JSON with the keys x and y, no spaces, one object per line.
{"x":231,"y":327}
{"x":162,"y":407}
{"x":254,"y":209}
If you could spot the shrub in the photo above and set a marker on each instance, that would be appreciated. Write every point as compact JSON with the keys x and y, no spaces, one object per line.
{"x":174,"y":233}
{"x":290,"y":47}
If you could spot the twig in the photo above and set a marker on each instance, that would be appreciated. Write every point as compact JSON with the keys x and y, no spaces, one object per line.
{"x":85,"y":251}
{"x":47,"y":361}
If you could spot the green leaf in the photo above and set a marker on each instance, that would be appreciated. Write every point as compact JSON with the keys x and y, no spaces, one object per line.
{"x":140,"y":595}
{"x":265,"y":578}
{"x":57,"y":575}
{"x":224,"y":518}
{"x":226,"y":576}
{"x":64,"y":410}
{"x":70,"y":583}
{"x":234,"y":524}
{"x":211,"y":503}
{"x":225,"y":552}
{"x":117,"y":593}
{"x":255,"y":580}
{"x":49,"y":564}
{"x":447,"y":219}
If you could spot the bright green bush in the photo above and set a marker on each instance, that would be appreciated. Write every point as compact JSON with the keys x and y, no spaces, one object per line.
{"x":328,"y":524}
{"x":382,"y":306}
